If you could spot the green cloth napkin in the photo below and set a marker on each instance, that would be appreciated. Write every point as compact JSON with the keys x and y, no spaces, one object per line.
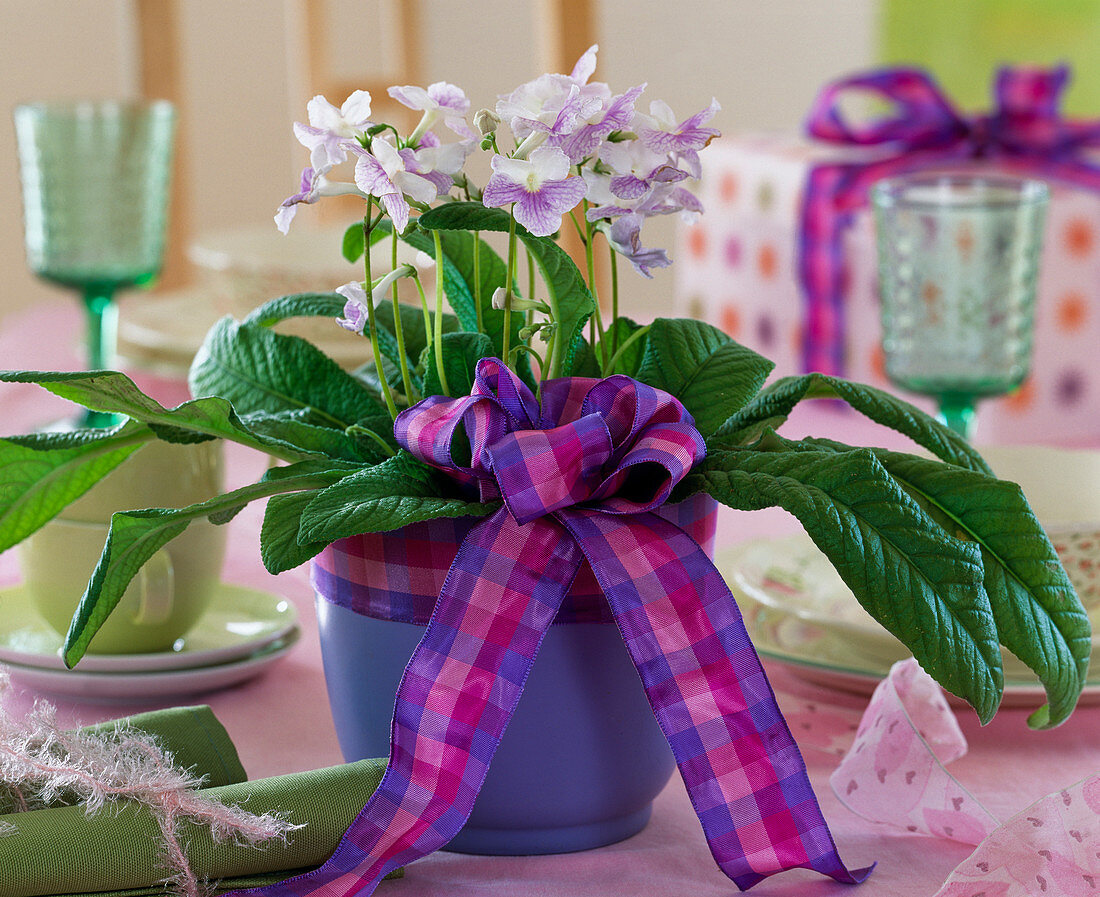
{"x":61,"y":851}
{"x":193,"y":736}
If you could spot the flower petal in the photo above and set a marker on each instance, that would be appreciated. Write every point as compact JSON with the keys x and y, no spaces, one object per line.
{"x":500,"y":191}
{"x":585,"y":66}
{"x":371,"y":177}
{"x":541,"y":212}
{"x":448,"y":96}
{"x":398,"y":209}
{"x":356,"y":108}
{"x":411,"y":96}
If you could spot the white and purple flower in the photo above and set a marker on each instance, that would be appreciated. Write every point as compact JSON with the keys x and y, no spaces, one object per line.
{"x":637,"y":168}
{"x":314,"y":185}
{"x":395,"y":176}
{"x":330,"y":129}
{"x":440,"y":101}
{"x":663,"y":134}
{"x":625,"y":237}
{"x":539,"y":186}
{"x":355,"y":308}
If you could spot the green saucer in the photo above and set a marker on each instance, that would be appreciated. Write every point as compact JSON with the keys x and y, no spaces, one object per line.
{"x":240,"y":622}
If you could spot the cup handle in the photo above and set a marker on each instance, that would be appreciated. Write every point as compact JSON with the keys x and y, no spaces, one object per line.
{"x":155,"y":582}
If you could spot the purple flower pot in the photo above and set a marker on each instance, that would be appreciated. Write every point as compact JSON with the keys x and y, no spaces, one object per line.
{"x":582,"y":759}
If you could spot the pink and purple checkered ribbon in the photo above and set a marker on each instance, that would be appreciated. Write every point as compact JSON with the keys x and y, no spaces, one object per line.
{"x":1025,"y":133}
{"x":579,"y":477}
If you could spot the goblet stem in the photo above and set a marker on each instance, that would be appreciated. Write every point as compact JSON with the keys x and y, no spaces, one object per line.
{"x":957,"y":411}
{"x":102,"y":328}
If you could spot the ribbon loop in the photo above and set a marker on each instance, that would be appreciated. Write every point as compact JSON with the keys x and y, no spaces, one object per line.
{"x":923,"y":116}
{"x":1025,"y":128}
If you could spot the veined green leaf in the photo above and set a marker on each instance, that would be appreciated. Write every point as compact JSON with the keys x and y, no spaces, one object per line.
{"x":924,"y":585}
{"x":771,"y":407}
{"x":279,"y":546}
{"x":461,"y":353}
{"x":194,"y":421}
{"x":259,"y":370}
{"x":298,"y":429}
{"x":396,"y":492}
{"x":41,"y":474}
{"x":297,"y":305}
{"x":563,"y":280}
{"x":712,"y":375}
{"x":1038,"y":615}
{"x":135,"y":536}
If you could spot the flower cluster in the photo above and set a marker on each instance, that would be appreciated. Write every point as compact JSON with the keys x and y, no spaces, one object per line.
{"x":574,"y":141}
{"x":564,"y":148}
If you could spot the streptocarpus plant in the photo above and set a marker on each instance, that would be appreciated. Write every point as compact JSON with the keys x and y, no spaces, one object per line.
{"x":945,"y":556}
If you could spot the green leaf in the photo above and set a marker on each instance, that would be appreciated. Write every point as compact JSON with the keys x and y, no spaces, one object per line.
{"x":331,"y":305}
{"x":297,"y":428}
{"x":712,"y":375}
{"x":461,"y":353}
{"x":193,"y":421}
{"x":135,"y":536}
{"x":279,"y":546}
{"x":259,"y":370}
{"x":774,"y":404}
{"x":922,"y":584}
{"x":393,"y":494}
{"x":297,"y":305}
{"x":1038,"y":615}
{"x":41,"y":474}
{"x":352,"y":247}
{"x":585,"y":362}
{"x":561,"y":276}
{"x":630,"y":357}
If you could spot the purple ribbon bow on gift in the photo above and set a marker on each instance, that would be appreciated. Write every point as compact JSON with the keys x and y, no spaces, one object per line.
{"x":579,"y":477}
{"x":1025,"y":133}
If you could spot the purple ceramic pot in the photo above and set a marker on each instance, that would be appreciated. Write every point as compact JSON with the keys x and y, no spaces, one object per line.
{"x":582,"y":759}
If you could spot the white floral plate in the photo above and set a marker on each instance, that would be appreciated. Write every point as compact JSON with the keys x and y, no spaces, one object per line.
{"x":798,"y":611}
{"x":239,"y":622}
{"x":161,"y":685}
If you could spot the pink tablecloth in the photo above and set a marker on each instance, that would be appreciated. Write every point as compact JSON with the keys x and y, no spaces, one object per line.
{"x":280,"y":722}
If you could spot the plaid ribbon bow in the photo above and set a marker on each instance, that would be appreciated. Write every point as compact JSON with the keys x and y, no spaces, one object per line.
{"x":1025,"y":132}
{"x":579,"y":477}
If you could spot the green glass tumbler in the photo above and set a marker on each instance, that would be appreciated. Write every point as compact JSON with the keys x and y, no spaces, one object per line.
{"x":958,"y":261}
{"x":95,"y":178}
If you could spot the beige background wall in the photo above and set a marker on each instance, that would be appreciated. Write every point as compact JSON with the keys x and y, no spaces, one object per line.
{"x":762,"y":60}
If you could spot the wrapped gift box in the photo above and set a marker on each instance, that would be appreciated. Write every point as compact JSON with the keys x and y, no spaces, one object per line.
{"x":738,"y":269}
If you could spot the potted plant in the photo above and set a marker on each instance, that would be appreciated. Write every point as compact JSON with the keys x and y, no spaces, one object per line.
{"x":521,"y":457}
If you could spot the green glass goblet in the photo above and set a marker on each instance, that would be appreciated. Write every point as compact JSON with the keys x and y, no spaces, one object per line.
{"x":95,"y":181}
{"x":958,"y":259}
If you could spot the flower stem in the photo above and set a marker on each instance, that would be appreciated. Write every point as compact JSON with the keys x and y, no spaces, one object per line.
{"x":508,"y":281}
{"x":398,"y":329}
{"x":427,"y":311}
{"x":477,"y":282}
{"x":375,"y":351}
{"x":530,"y":286}
{"x":438,"y":338}
{"x":590,"y":260}
{"x":614,"y":299}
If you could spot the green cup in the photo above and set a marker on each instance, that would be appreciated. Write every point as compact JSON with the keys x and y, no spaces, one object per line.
{"x":172,"y":590}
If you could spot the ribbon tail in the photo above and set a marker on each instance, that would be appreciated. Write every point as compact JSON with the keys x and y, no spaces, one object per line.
{"x":744,"y":773}
{"x":456,"y":697}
